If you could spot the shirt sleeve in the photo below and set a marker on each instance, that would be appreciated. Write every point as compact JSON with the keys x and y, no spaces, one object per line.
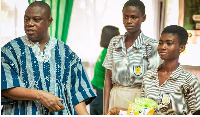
{"x":192,"y":93}
{"x":9,"y":73}
{"x":9,"y":70}
{"x":153,"y":56}
{"x":109,"y":58}
{"x":81,"y":88}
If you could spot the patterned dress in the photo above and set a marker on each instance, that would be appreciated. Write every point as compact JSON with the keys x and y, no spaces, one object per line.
{"x":57,"y":70}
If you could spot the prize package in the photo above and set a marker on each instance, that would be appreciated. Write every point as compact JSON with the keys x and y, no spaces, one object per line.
{"x":142,"y":106}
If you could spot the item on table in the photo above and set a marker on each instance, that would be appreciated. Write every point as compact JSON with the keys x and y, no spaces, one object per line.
{"x":142,"y":106}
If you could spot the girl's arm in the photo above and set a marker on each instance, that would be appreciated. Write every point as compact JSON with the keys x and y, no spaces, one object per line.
{"x":106,"y":90}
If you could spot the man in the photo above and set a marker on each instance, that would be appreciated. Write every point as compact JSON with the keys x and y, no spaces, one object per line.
{"x":40,"y":74}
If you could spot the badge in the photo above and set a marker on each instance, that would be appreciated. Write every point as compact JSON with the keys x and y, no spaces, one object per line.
{"x":166,"y":99}
{"x":137,"y":70}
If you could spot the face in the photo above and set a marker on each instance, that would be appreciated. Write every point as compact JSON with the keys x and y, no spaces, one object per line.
{"x":132,"y":19}
{"x":169,"y":47}
{"x":36,"y":24}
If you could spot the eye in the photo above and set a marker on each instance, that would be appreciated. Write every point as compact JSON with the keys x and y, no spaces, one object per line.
{"x":26,"y":19}
{"x":133,"y":17}
{"x":37,"y":19}
{"x":160,"y":43}
{"x":169,"y":44}
{"x":125,"y":17}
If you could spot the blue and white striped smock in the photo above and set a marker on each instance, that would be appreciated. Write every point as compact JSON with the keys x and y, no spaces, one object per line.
{"x":57,"y":70}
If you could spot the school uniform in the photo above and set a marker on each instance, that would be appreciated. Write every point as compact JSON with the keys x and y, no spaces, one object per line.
{"x":180,"y":92}
{"x":129,"y":66}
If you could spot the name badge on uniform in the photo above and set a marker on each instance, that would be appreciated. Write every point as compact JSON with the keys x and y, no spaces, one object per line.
{"x":137,"y":70}
{"x":166,"y":99}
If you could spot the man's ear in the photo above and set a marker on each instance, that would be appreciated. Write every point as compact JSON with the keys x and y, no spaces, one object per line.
{"x":50,"y":20}
{"x":144,"y":18}
{"x":182,"y":48}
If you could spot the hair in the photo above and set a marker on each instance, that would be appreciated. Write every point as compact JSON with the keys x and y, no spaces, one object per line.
{"x":43,"y":5}
{"x":179,"y":31}
{"x":136,"y":3}
{"x":108,"y":32}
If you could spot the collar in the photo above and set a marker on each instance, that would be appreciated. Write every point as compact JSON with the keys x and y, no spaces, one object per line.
{"x":173,"y":77}
{"x":139,"y":41}
{"x":30,"y":43}
{"x":137,"y":44}
{"x":176,"y":73}
{"x":41,"y":56}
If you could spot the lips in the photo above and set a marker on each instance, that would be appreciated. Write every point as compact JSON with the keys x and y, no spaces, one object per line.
{"x":30,"y":31}
{"x":162,"y":53}
{"x":129,"y":27}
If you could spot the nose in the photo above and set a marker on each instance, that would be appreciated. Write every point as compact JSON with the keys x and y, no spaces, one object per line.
{"x":163,"y":46}
{"x":29,"y":23}
{"x":129,"y":20}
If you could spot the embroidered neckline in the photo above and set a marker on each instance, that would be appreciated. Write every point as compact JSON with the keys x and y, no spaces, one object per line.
{"x":41,"y":56}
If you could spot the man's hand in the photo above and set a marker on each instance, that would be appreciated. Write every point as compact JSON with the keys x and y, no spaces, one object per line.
{"x":50,"y":101}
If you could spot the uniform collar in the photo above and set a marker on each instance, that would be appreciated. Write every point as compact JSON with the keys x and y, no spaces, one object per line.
{"x":175,"y":74}
{"x":137,"y":44}
{"x":173,"y":77}
{"x":139,"y":41}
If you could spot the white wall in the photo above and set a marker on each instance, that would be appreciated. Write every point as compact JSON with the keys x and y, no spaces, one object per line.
{"x":12,"y":19}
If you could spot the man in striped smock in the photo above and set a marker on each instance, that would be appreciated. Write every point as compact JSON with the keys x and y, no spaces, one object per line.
{"x":176,"y":90}
{"x":41,"y":75}
{"x":128,"y":57}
